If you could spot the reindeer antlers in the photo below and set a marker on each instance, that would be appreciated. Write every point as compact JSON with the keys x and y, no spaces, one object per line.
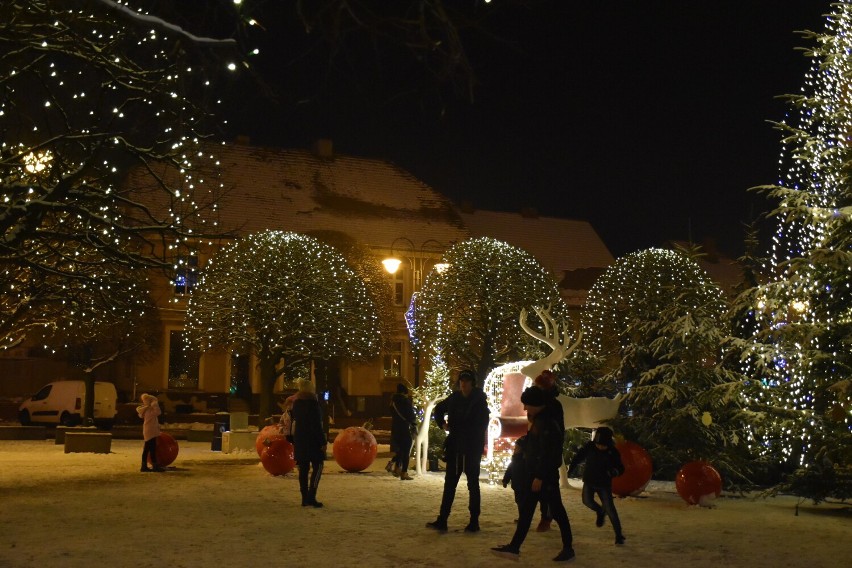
{"x":559,"y":342}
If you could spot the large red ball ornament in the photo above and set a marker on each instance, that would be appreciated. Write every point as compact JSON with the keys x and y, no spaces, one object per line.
{"x":277,"y":456}
{"x":638,"y":468}
{"x":355,"y":449}
{"x":167,"y":450}
{"x":266,"y":435}
{"x":698,"y":483}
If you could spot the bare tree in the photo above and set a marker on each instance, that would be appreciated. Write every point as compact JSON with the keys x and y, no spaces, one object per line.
{"x":88,"y":91}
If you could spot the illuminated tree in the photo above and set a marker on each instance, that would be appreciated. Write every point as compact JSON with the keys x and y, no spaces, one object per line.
{"x":801,"y":353}
{"x":471,"y":308}
{"x":369,"y":269}
{"x":285,"y":297}
{"x":435,"y":388}
{"x":659,"y":316}
{"x":90,"y":91}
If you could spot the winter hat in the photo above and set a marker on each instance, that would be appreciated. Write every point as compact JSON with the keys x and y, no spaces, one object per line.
{"x":147,"y":398}
{"x":546,"y":380}
{"x":468,"y":375}
{"x":401,"y":388}
{"x":603,"y":436}
{"x":534,"y":396}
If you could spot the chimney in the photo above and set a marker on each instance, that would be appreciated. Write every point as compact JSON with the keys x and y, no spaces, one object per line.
{"x":323,"y":148}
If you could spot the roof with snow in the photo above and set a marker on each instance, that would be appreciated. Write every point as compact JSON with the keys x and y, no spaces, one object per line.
{"x":561,"y":245}
{"x":297,"y":190}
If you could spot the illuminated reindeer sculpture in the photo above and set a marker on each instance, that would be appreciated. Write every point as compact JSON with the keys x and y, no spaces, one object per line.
{"x":504,"y":385}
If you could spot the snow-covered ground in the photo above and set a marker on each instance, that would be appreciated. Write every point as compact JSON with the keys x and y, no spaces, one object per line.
{"x":215,"y":510}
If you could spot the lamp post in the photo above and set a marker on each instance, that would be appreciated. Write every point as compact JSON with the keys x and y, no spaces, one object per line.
{"x":418,"y":261}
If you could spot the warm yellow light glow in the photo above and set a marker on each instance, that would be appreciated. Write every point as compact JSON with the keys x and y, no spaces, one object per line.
{"x":441,"y":267}
{"x":35,"y":163}
{"x":391,"y":264}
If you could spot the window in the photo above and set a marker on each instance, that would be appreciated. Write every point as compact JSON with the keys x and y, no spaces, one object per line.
{"x":183,"y":363}
{"x":393,"y":360}
{"x":186,"y":274}
{"x":398,"y":288}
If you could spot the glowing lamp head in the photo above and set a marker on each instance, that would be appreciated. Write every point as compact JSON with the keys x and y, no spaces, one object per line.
{"x":391,"y":264}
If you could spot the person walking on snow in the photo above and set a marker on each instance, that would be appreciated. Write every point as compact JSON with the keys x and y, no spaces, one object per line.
{"x":149,"y":411}
{"x":467,"y":420}
{"x":603,"y":462}
{"x":542,"y":457}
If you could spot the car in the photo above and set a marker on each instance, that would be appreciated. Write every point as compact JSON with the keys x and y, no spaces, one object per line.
{"x":61,"y":402}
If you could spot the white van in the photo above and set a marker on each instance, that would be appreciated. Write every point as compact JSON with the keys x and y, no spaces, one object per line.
{"x":61,"y":402}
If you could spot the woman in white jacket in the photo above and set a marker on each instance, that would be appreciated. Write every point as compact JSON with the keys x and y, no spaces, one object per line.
{"x":149,"y":411}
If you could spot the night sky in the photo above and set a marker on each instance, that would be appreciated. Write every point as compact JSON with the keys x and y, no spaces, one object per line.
{"x":649,"y":119}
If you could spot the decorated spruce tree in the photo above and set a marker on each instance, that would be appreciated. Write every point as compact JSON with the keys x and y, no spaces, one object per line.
{"x":801,"y":352}
{"x":657,"y":317}
{"x":286,"y":297}
{"x":471,"y":308}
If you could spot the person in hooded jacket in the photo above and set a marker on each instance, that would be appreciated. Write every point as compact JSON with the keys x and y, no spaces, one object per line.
{"x":542,"y":458}
{"x":309,"y":442}
{"x":403,"y":424}
{"x":149,"y":411}
{"x":546,"y":381}
{"x":467,"y":413}
{"x":603,"y":462}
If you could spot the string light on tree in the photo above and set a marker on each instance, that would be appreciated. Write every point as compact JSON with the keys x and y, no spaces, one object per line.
{"x":801,"y":347}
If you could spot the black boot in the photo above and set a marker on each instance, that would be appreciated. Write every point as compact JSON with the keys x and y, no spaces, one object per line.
{"x":312,"y":497}
{"x":439,"y":524}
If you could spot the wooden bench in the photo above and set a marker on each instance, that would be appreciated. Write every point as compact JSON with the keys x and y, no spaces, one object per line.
{"x":95,"y":442}
{"x":23,"y":432}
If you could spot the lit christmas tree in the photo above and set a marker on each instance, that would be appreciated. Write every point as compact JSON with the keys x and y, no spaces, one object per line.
{"x":801,"y":355}
{"x":286,"y":297}
{"x":471,"y":308}
{"x":658,"y":318}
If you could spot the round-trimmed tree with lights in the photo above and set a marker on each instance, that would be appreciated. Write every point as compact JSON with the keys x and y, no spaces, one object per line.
{"x":659,"y":320}
{"x":471,"y":307}
{"x":284,"y":296}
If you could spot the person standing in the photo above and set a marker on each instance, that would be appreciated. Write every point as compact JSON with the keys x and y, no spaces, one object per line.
{"x":546,"y":381}
{"x":467,"y":413}
{"x":603,"y":462}
{"x":403,"y":424}
{"x":309,"y":442}
{"x":149,"y":411}
{"x":542,"y":456}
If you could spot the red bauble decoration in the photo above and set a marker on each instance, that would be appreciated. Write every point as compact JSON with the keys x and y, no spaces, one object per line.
{"x":277,"y":456}
{"x":268,"y":434}
{"x":167,"y":450}
{"x":638,"y":468}
{"x":698,"y":483}
{"x":355,"y":449}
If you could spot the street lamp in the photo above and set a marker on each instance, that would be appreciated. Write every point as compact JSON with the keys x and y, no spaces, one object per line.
{"x":417,"y":258}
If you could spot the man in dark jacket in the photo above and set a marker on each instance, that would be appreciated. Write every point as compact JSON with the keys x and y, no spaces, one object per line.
{"x":467,"y":420}
{"x":403,"y":423}
{"x":603,"y":462}
{"x":542,"y":456}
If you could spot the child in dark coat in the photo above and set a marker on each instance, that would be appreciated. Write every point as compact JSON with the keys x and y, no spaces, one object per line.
{"x":603,"y":462}
{"x":516,"y":473}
